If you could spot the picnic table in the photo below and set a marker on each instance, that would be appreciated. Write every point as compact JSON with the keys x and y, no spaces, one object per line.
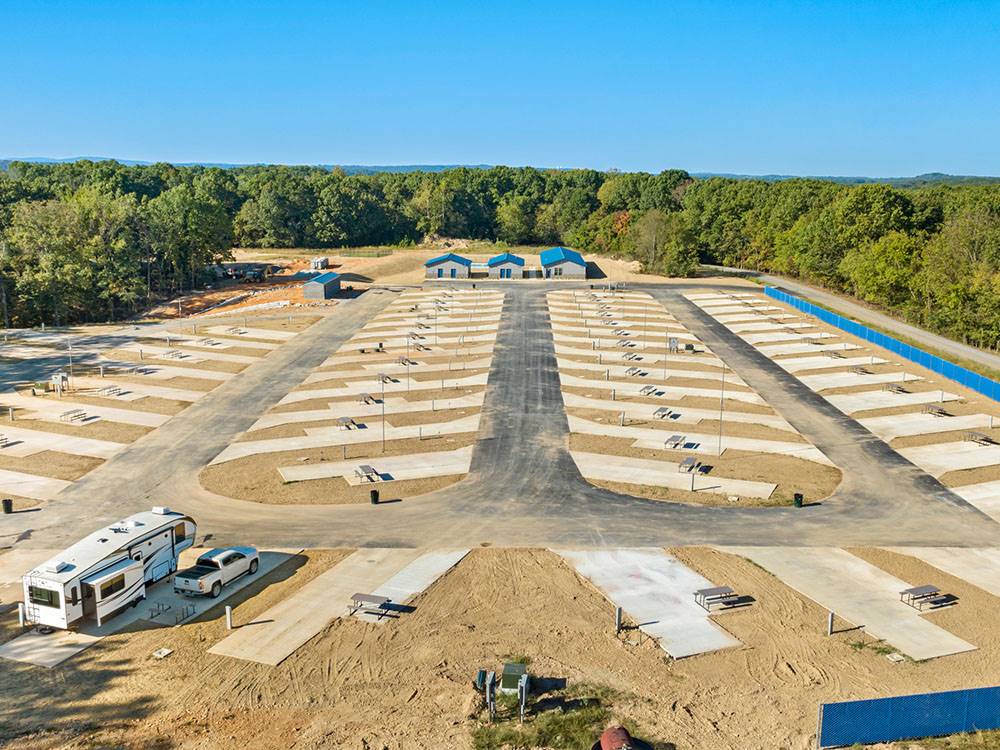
{"x":72,"y":415}
{"x":723,"y":595}
{"x":367,"y":473}
{"x":368,"y":602}
{"x":675,"y":441}
{"x":913,"y":596}
{"x":979,"y":438}
{"x":689,"y":464}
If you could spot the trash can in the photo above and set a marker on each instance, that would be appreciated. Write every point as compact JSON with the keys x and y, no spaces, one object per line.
{"x":374,"y":496}
{"x":8,"y":505}
{"x":798,"y":500}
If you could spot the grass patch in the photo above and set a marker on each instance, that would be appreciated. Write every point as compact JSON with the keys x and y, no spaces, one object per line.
{"x":972,"y":741}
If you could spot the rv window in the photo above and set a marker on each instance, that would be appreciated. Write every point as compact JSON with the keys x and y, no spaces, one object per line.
{"x":179,"y":534}
{"x":137,"y":554}
{"x":113,"y":586}
{"x":72,"y":595}
{"x":44,"y":597}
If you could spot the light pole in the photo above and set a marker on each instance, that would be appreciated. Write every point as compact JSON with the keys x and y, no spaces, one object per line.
{"x":381,"y":378}
{"x":722,"y":398}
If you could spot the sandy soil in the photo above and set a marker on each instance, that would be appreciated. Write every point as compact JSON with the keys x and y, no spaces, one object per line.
{"x":373,"y":422}
{"x":425,"y":395}
{"x":407,"y":683}
{"x":704,"y":427}
{"x":790,"y":474}
{"x":101,"y":429}
{"x":51,"y":464}
{"x":256,"y":478}
{"x":204,"y":364}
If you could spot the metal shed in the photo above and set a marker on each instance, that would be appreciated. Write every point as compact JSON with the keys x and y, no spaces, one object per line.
{"x":324,"y":286}
{"x":506,"y":266}
{"x":561,"y":262}
{"x":448,"y":266}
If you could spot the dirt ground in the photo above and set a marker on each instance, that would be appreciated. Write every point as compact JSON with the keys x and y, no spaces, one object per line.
{"x":52,"y":464}
{"x":407,"y":683}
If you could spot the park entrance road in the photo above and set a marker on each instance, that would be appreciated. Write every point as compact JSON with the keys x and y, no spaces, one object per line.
{"x":524,"y":489}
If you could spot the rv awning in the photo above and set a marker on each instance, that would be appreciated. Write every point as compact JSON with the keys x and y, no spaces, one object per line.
{"x":96,"y":579}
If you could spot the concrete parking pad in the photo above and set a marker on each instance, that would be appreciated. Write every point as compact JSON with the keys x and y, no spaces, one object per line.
{"x":980,"y":566}
{"x":414,"y":579}
{"x":392,"y":468}
{"x":610,"y":468}
{"x":30,"y":485}
{"x":353,"y":409}
{"x":253,"y":333}
{"x":47,"y":650}
{"x":985,"y":496}
{"x":902,"y":425}
{"x":357,"y":387}
{"x":940,"y":458}
{"x":831,"y":380}
{"x":50,"y":410}
{"x":859,"y":593}
{"x":36,"y":441}
{"x":849,"y":403}
{"x":763,"y":338}
{"x":657,"y":591}
{"x":778,"y":350}
{"x":282,"y":629}
{"x":667,"y":392}
{"x":16,"y":562}
{"x":800,"y":364}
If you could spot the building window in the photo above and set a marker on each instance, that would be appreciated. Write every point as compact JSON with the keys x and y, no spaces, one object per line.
{"x":43,"y":597}
{"x":557,"y":271}
{"x":112,"y":586}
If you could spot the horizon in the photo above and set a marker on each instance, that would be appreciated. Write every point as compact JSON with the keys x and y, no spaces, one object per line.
{"x":785,"y":89}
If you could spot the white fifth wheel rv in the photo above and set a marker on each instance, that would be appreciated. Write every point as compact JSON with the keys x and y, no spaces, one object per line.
{"x":107,"y":570}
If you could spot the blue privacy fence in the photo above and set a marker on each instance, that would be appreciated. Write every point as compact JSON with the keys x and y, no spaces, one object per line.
{"x":908,"y":717}
{"x":972,"y":380}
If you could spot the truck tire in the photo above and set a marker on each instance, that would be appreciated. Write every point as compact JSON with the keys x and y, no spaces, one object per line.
{"x":253,"y":567}
{"x":216,"y":589}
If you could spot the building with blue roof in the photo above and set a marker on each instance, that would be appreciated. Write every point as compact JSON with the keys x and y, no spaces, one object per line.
{"x":448,"y":266}
{"x":561,"y":262}
{"x":506,"y":266}
{"x":323,"y":286}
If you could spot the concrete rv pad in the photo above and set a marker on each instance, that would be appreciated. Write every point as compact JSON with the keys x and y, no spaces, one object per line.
{"x":610,"y":468}
{"x":940,"y":458}
{"x":342,"y":409}
{"x":282,"y":629}
{"x":414,"y":579}
{"x":800,"y":364}
{"x":252,"y":333}
{"x":49,"y":409}
{"x":857,"y":592}
{"x":30,"y":485}
{"x":979,"y":566}
{"x":831,"y":380}
{"x":985,"y":496}
{"x":850,"y":403}
{"x":903,"y":425}
{"x":657,"y":591}
{"x":412,"y":466}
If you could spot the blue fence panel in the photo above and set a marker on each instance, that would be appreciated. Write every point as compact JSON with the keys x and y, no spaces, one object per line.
{"x":908,"y":717}
{"x":971,"y":380}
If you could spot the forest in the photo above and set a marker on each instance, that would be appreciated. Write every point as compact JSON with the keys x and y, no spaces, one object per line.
{"x":96,"y":241}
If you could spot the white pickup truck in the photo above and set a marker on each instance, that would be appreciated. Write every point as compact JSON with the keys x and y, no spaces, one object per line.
{"x":215,"y":569}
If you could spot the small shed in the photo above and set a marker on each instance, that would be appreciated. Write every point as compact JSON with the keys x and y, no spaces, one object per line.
{"x":319,"y":263}
{"x":448,"y":266}
{"x":506,"y":266}
{"x":324,"y":286}
{"x":561,"y":262}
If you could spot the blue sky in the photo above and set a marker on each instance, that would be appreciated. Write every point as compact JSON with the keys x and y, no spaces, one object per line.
{"x":827,"y":88}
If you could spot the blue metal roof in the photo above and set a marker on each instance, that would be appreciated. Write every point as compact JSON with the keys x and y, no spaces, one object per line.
{"x":496,"y":260}
{"x":448,"y":256}
{"x":558,"y":254}
{"x":324,"y":278}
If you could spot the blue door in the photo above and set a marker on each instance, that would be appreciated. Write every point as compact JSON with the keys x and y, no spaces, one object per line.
{"x":440,"y":272}
{"x":454,"y":272}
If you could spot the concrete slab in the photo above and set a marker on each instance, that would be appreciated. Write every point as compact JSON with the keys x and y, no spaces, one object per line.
{"x":902,"y":425}
{"x":850,"y":403}
{"x":30,"y":485}
{"x":643,"y":358}
{"x":648,"y":372}
{"x":666,"y":392}
{"x":252,"y":333}
{"x":940,"y":458}
{"x":778,"y":350}
{"x":657,"y":591}
{"x":38,"y":440}
{"x":697,"y":443}
{"x":748,"y":317}
{"x":770,"y":325}
{"x":608,"y":468}
{"x":828,"y":381}
{"x":134,"y":391}
{"x":393,"y":368}
{"x":327,"y":437}
{"x":342,"y":409}
{"x":403,"y":341}
{"x":414,"y":579}
{"x":980,"y":566}
{"x":391,"y":468}
{"x":285,"y":627}
{"x":350,"y":354}
{"x":358,"y":387}
{"x":678,"y":414}
{"x":14,"y":563}
{"x":859,"y":593}
{"x":161,"y":607}
{"x":985,"y":496}
{"x":183,"y":355}
{"x":774,"y":336}
{"x":803,"y":364}
{"x":50,"y":409}
{"x":178,"y":338}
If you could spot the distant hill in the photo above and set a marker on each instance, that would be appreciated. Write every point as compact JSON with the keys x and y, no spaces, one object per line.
{"x":931,"y":178}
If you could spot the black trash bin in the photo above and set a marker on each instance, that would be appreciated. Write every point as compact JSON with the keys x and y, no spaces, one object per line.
{"x":374,"y":496}
{"x":8,"y":505}
{"x":798,"y":499}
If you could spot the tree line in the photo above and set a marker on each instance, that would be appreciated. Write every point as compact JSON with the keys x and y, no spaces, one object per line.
{"x":100,"y":240}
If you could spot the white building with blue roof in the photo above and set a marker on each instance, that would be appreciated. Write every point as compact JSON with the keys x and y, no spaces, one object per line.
{"x":448,"y":266}
{"x":562,"y":263}
{"x":506,"y":266}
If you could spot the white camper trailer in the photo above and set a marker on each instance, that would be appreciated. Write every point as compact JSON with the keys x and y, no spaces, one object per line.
{"x":107,"y":570}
